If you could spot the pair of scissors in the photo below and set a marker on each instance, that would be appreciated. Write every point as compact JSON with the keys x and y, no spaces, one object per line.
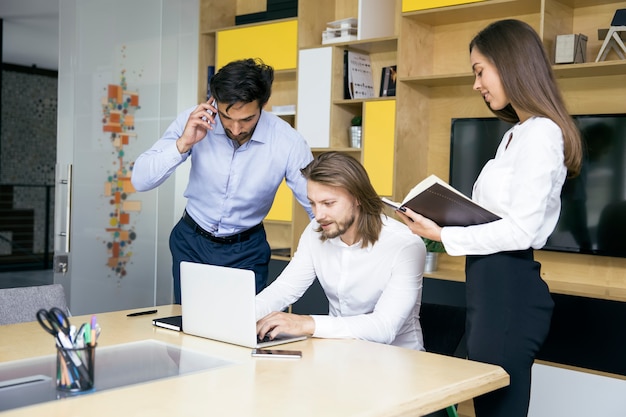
{"x":55,"y":322}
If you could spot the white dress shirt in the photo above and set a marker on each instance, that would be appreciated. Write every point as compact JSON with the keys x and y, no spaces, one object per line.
{"x":522,"y":184}
{"x":374,"y":293}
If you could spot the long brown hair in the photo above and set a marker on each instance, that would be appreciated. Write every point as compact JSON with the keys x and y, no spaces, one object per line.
{"x":528,"y":81}
{"x":341,"y":170}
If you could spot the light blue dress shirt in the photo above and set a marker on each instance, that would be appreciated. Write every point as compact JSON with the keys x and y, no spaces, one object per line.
{"x":230,"y":189}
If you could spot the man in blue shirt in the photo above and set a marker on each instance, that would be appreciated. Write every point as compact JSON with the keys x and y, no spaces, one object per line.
{"x":239,"y":156}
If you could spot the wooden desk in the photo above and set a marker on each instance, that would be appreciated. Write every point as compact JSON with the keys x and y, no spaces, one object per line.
{"x":334,"y":377}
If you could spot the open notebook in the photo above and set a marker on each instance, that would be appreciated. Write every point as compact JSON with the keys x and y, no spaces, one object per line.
{"x":218,"y":303}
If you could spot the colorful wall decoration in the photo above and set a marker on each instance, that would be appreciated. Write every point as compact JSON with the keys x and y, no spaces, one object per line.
{"x":118,"y":119}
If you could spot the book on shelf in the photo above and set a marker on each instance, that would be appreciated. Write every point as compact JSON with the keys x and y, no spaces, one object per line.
{"x":358,"y":70}
{"x":388,"y":81}
{"x":346,"y":82}
{"x":435,"y":199}
{"x":209,"y":74}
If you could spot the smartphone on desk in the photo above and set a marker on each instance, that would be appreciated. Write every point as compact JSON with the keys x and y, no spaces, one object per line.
{"x":276,"y":353}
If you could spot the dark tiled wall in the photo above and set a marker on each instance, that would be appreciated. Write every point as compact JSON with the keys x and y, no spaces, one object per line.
{"x":28,"y":130}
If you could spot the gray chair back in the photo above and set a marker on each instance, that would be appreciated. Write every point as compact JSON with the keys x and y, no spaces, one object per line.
{"x":21,"y":304}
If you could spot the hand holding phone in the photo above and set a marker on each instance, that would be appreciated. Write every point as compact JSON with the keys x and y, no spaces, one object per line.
{"x":277,"y":353}
{"x":211,"y":101}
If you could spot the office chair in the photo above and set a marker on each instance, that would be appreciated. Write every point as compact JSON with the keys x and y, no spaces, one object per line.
{"x":20,"y":304}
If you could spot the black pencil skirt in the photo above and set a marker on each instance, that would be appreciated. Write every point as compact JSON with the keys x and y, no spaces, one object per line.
{"x":509,"y":309}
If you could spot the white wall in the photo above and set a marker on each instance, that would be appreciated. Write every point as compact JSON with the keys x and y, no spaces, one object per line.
{"x":560,"y":392}
{"x":30,"y":32}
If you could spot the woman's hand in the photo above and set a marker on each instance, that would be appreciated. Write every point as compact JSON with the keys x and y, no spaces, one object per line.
{"x":420,"y":225}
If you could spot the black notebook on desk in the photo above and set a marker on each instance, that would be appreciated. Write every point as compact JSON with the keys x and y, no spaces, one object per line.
{"x":171,"y":322}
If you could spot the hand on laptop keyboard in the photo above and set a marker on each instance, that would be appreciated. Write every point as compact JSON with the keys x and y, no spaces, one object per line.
{"x":265,"y":339}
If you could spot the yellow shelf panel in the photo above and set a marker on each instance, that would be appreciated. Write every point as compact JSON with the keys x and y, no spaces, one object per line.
{"x":282,"y":209}
{"x":412,"y":5}
{"x":379,"y":126}
{"x":275,"y":43}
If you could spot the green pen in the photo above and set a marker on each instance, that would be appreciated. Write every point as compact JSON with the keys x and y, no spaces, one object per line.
{"x":87,"y":334}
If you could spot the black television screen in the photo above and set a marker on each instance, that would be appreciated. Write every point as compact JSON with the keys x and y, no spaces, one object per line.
{"x":593,"y":205}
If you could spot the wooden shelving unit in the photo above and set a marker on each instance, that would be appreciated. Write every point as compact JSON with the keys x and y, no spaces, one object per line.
{"x":435,"y":85}
{"x":430,"y":48}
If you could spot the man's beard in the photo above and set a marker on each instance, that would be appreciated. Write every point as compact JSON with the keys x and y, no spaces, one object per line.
{"x":241,"y":139}
{"x":340,"y":230}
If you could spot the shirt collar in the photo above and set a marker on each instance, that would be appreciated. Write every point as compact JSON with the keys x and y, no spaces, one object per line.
{"x":336,"y":241}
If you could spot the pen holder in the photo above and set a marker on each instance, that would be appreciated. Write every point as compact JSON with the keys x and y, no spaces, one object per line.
{"x":75,"y":368}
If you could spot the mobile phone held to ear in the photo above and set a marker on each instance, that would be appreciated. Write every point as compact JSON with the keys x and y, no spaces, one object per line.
{"x":277,"y":353}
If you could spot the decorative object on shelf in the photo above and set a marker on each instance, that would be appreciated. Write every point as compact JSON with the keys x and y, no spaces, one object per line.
{"x":359,"y":75}
{"x":433,"y":249}
{"x":604,"y":31}
{"x":343,"y":30}
{"x":613,"y":39}
{"x":355,"y":132}
{"x":570,"y":49}
{"x":432,"y":262}
{"x":388,"y":81}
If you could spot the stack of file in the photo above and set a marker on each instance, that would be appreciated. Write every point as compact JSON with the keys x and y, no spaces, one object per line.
{"x":343,"y":30}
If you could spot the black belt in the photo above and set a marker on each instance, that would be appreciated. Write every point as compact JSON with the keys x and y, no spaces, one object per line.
{"x":225,"y":240}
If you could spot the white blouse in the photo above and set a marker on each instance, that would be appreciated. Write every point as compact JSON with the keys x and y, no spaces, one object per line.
{"x":522,"y":184}
{"x":374,"y":293}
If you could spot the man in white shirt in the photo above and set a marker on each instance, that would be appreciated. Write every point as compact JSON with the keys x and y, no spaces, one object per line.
{"x":370,"y":266}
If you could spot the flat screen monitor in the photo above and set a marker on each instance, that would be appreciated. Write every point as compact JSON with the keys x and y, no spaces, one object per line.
{"x":593,"y":205}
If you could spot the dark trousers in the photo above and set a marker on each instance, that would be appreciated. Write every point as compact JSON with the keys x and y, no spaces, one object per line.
{"x":509,"y":309}
{"x":187,"y":245}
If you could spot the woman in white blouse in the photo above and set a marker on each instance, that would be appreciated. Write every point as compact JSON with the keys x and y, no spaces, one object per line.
{"x":509,"y":307}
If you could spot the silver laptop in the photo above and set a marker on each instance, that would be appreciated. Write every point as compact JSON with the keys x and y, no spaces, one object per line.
{"x":218,"y":303}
